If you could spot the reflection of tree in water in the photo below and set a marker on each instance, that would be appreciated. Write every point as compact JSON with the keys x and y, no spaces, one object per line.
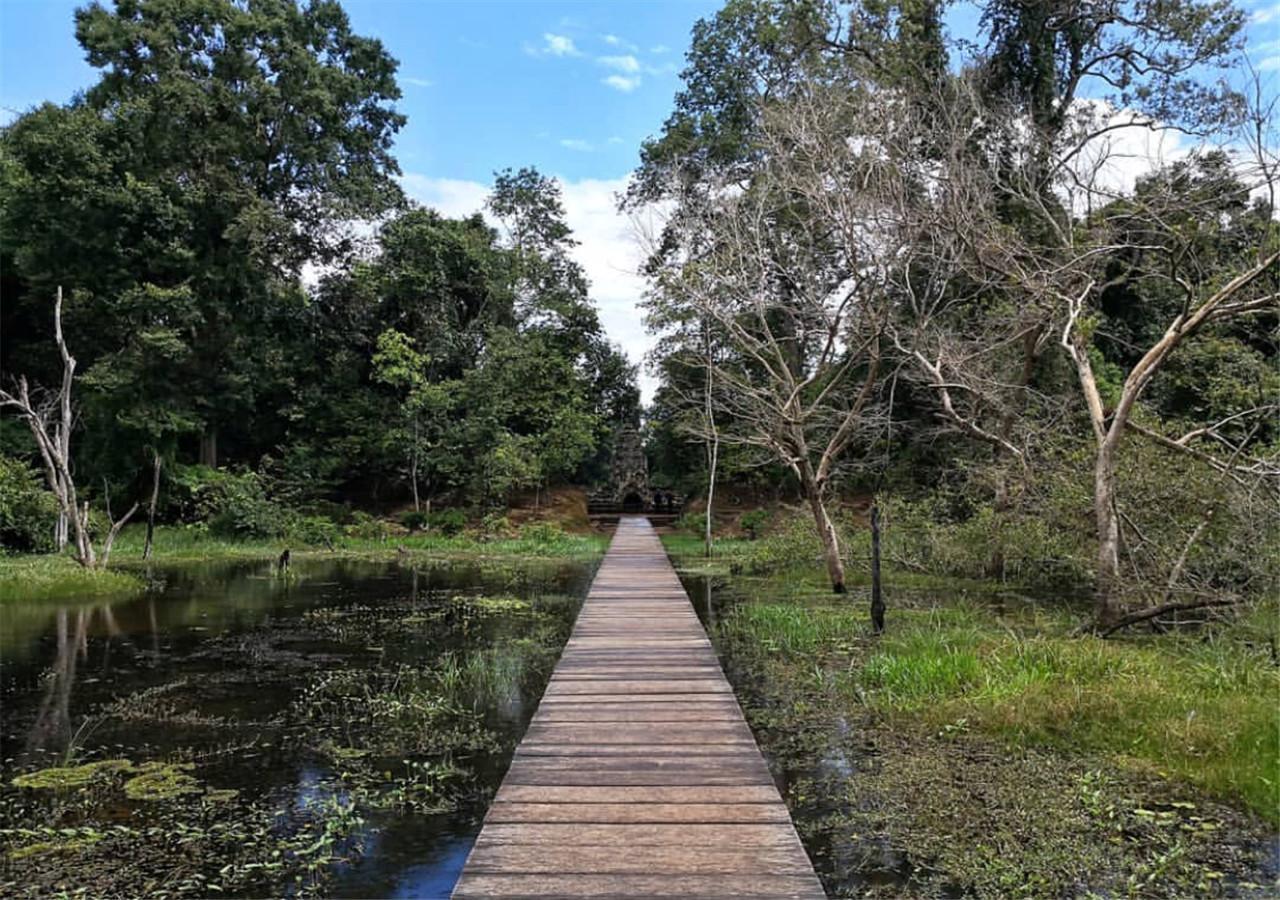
{"x":51,"y":731}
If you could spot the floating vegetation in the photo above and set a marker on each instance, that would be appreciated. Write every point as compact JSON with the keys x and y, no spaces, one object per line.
{"x":162,"y":781}
{"x":65,"y":778}
{"x":373,"y":701}
{"x":494,"y":605}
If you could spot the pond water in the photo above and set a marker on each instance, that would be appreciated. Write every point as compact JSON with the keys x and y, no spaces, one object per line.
{"x":337,"y":730}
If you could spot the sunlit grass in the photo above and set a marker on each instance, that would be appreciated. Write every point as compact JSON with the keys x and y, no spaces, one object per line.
{"x":60,"y":577}
{"x":1202,"y":708}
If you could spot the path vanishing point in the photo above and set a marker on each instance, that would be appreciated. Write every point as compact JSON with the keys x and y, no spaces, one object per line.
{"x":638,"y":776}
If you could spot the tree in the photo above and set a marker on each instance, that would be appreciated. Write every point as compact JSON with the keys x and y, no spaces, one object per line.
{"x":425,"y":405}
{"x":792,"y":280}
{"x":53,"y":439}
{"x":1173,"y":251}
{"x":224,"y":147}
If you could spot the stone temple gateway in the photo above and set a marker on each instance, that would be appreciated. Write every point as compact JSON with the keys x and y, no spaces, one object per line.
{"x":628,"y":489}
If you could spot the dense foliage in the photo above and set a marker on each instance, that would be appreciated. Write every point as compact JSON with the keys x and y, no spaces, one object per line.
{"x":902,"y":264}
{"x":203,"y":206}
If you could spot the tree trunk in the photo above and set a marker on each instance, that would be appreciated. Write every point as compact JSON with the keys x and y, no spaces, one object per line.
{"x":112,"y":534}
{"x":1106,"y":600}
{"x":209,"y":446}
{"x":413,"y":466}
{"x":713,"y":439}
{"x":830,"y":540}
{"x":151,"y":507}
{"x":1000,"y":511}
{"x":60,"y":531}
{"x":877,"y":601}
{"x":713,"y":453}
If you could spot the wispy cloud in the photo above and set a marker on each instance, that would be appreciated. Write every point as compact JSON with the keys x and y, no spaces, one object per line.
{"x":417,"y":82}
{"x":624,"y":83}
{"x":614,"y":41}
{"x":1265,"y":14}
{"x":628,"y":64}
{"x":659,"y":49}
{"x":577,"y":144}
{"x":553,"y":45}
{"x":616,"y":140}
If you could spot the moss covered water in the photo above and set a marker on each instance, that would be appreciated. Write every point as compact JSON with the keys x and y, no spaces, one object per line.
{"x":980,"y":748}
{"x":337,"y":730}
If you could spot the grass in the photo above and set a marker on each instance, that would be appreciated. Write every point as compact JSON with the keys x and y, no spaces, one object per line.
{"x":1199,"y":707}
{"x":59,"y":578}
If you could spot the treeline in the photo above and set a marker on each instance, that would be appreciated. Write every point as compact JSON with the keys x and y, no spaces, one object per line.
{"x":909,"y":264}
{"x":256,"y":309}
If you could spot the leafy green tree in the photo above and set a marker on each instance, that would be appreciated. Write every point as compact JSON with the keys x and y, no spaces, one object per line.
{"x":224,"y":146}
{"x":426,"y":407}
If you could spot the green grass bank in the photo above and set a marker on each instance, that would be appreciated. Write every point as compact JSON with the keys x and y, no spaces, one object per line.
{"x":57,"y":577}
{"x":982,"y":737}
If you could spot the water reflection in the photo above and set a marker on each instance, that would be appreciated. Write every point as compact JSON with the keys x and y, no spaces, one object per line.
{"x":214,"y":663}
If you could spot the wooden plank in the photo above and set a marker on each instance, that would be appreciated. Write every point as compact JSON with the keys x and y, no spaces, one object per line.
{"x":593,"y":860}
{"x":638,"y":776}
{"x":638,"y":813}
{"x":753,"y":793}
{"x":606,"y":887}
{"x":577,"y":834}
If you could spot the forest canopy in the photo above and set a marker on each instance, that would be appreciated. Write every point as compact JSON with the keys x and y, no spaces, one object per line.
{"x":251,"y":299}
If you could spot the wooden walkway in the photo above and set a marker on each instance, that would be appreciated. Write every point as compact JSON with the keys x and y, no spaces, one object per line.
{"x":638,"y":776}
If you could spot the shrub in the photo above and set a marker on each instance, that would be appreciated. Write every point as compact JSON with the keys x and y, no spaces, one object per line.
{"x":27,"y":510}
{"x":542,"y":532}
{"x":448,"y":522}
{"x":236,"y":505}
{"x":495,"y":526}
{"x":416,"y":520}
{"x":794,"y":542}
{"x":314,"y":530}
{"x":366,"y":527}
{"x":753,"y":522}
{"x":693,"y":522}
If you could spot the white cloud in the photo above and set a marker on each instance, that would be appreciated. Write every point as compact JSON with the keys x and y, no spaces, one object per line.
{"x":554,"y":45}
{"x":577,"y":144}
{"x":608,"y":249}
{"x":616,"y":140}
{"x":627,"y":63}
{"x":614,"y":41}
{"x":1265,"y":14}
{"x":659,"y":49}
{"x":1270,"y":64}
{"x":1111,"y":163}
{"x":452,"y":197}
{"x":416,"y":82}
{"x":624,"y":83}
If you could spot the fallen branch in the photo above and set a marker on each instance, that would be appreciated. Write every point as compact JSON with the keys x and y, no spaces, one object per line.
{"x":1154,"y":611}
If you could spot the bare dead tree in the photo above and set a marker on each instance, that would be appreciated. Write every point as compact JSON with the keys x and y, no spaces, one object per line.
{"x":50,"y":419}
{"x":1091,"y":233}
{"x":790,"y":274}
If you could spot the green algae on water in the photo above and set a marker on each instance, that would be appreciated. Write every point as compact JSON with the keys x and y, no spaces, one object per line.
{"x":68,"y":777}
{"x":162,"y":781}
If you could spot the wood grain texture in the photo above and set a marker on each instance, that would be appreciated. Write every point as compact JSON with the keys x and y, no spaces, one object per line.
{"x":638,"y":776}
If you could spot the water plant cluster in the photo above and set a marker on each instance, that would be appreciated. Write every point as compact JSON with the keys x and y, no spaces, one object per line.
{"x":268,"y":760}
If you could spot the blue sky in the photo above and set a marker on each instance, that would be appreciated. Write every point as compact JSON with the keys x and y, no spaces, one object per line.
{"x":571,"y":87}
